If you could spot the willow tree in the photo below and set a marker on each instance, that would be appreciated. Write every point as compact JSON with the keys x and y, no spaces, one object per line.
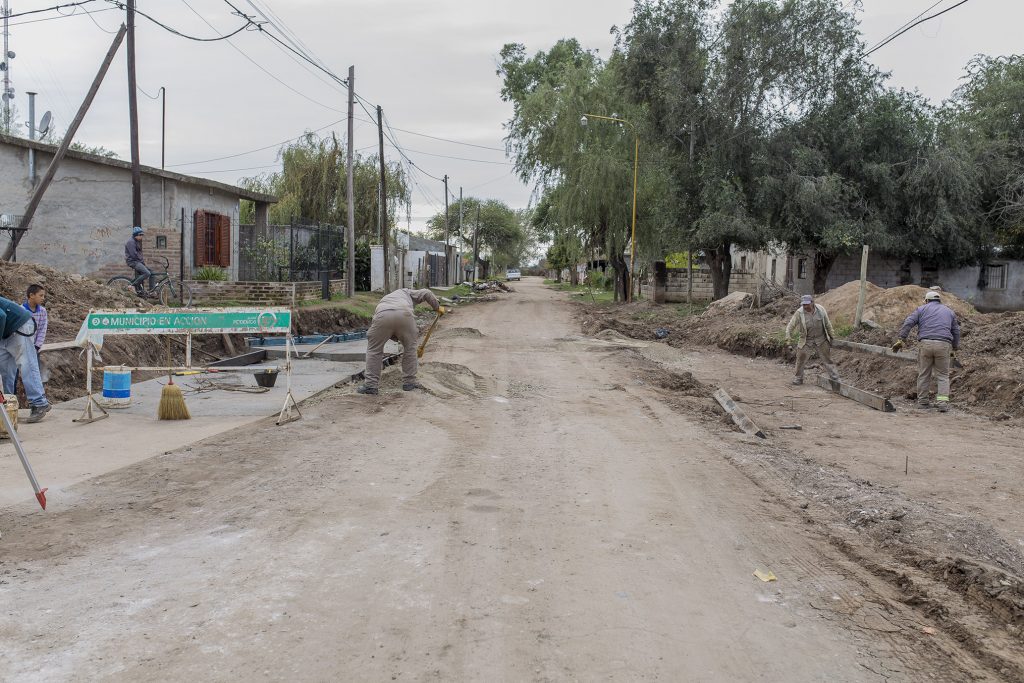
{"x":489,"y":225}
{"x":312,"y":182}
{"x":588,"y":168}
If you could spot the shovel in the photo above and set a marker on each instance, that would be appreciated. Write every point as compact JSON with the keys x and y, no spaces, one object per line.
{"x":40,"y":492}
{"x":430,"y":330}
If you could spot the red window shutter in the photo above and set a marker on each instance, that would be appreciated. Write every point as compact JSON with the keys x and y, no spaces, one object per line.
{"x":224,"y":241}
{"x":199,"y":238}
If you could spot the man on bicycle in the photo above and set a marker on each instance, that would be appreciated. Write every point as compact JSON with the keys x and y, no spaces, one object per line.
{"x":133,"y":257}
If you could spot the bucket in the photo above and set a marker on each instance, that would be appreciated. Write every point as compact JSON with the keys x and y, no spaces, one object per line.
{"x":12,"y":412}
{"x":266,"y":378}
{"x":117,"y":387}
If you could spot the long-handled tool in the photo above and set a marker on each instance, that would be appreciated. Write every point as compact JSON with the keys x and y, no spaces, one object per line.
{"x":430,"y":330}
{"x":40,"y":492}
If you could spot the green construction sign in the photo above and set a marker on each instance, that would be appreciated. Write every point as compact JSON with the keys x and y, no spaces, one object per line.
{"x":190,"y":321}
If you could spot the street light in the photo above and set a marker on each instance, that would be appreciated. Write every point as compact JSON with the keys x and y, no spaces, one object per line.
{"x":636,"y":163}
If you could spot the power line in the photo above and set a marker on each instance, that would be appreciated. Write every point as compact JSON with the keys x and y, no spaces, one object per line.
{"x":454,"y":142}
{"x":49,"y":9}
{"x":262,"y":68}
{"x":220,"y":36}
{"x":904,"y":24}
{"x":258,"y":149}
{"x":916,"y":23}
{"x":76,"y":13}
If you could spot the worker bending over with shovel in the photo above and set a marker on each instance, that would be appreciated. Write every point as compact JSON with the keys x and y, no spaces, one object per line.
{"x":393,"y":319}
{"x":816,"y":335}
{"x":939,"y":335}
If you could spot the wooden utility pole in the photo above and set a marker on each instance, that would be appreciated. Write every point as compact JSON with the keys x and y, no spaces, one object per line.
{"x":384,"y":202}
{"x":476,"y":244}
{"x":350,"y":233}
{"x":447,"y":265}
{"x":133,"y":120}
{"x":51,"y":170}
{"x":863,"y":287}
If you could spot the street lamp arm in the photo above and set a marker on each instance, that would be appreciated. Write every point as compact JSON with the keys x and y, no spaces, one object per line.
{"x":611,"y":118}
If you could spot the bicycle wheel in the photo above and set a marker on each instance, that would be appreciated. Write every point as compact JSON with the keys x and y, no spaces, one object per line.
{"x":175,"y":292}
{"x":123,"y":284}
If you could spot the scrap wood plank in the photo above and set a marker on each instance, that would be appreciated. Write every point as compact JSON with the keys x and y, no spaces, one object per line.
{"x":737,"y":414}
{"x":859,"y":395}
{"x":872,"y":348}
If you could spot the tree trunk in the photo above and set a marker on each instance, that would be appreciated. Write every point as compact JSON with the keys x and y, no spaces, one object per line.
{"x":558,"y":276}
{"x":619,"y":265}
{"x":720,"y":261}
{"x":574,"y":276}
{"x":823,"y":262}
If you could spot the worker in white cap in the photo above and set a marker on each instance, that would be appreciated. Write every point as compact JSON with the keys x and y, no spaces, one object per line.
{"x":938,"y":332}
{"x":816,"y":335}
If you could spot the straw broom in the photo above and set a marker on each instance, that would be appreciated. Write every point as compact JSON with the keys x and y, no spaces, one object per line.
{"x":172,"y":401}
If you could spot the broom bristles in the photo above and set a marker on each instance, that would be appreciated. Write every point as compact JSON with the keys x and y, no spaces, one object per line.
{"x":172,"y":403}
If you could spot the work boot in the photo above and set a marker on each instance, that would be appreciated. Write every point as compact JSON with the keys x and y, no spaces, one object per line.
{"x":411,"y":386}
{"x":797,"y":381}
{"x":38,"y":412}
{"x":943,"y":406}
{"x":371,"y":391}
{"x":923,"y":404}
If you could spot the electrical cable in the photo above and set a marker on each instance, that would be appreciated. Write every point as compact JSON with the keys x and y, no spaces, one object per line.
{"x":258,"y":149}
{"x":50,"y":9}
{"x":916,"y":17}
{"x":247,"y":24}
{"x":262,"y":68}
{"x":916,"y":23}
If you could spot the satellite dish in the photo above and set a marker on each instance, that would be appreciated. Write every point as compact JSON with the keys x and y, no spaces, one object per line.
{"x":3,"y":66}
{"x":44,"y":123}
{"x":10,"y":54}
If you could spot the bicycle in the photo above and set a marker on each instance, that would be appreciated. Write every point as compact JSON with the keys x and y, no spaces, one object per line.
{"x":166,"y":288}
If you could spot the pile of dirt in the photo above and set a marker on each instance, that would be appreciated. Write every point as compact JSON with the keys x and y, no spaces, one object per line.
{"x":459,"y":332}
{"x":992,"y":346}
{"x":731,"y":302}
{"x":887,"y":307}
{"x":68,"y":297}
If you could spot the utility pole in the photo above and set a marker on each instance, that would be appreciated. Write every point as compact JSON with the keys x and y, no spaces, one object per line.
{"x":384,"y":202}
{"x":133,"y":120}
{"x":447,"y":269}
{"x":350,"y":267}
{"x":163,"y":156}
{"x":461,"y":234}
{"x":476,"y":245}
{"x":5,"y":59}
{"x":31,"y":136}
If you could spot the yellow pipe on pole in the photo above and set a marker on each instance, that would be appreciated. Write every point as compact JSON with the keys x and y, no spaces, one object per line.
{"x":636,"y":168}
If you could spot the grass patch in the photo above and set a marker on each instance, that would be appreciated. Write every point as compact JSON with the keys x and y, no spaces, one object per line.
{"x":843,"y":330}
{"x":594,"y":294}
{"x":362,"y":304}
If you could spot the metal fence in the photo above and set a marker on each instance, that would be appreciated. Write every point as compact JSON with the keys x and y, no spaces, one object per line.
{"x":299,"y":252}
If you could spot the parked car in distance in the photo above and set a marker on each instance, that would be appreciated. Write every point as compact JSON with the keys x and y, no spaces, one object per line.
{"x":512,"y":274}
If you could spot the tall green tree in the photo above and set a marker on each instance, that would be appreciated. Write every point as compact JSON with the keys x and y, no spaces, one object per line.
{"x":491,"y":225}
{"x":717,"y":81}
{"x":312,"y":185}
{"x":589,"y":168}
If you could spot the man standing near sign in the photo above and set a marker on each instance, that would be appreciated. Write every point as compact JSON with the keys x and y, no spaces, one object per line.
{"x":17,"y":332}
{"x":394,"y":319}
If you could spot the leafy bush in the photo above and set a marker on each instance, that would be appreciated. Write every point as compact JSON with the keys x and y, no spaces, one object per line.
{"x":210,"y":274}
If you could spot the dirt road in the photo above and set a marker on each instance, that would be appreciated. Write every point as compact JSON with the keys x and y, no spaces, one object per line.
{"x":538,"y":514}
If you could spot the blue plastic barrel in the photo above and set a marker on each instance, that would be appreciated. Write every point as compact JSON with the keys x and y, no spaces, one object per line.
{"x":117,"y":387}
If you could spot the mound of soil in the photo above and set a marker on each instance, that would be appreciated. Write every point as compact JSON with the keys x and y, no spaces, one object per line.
{"x":992,"y":346}
{"x":457,"y":332}
{"x":887,"y":307}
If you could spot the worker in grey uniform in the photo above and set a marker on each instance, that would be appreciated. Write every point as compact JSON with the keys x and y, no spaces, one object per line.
{"x":939,"y":334}
{"x":816,"y":335}
{"x":393,"y":319}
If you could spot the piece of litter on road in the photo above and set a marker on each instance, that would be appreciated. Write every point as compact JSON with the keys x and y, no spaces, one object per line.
{"x":499,"y":399}
{"x":790,"y":427}
{"x":765,"y":576}
{"x":929,"y":630}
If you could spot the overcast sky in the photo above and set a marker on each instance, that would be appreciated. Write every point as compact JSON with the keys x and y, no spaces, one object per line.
{"x":430,"y":65}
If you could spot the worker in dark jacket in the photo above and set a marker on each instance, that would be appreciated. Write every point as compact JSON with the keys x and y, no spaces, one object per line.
{"x":133,"y":257}
{"x":939,"y":334}
{"x":17,"y":332}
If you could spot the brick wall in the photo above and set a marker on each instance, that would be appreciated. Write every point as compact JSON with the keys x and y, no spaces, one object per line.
{"x":267,"y":293}
{"x":675,"y":291}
